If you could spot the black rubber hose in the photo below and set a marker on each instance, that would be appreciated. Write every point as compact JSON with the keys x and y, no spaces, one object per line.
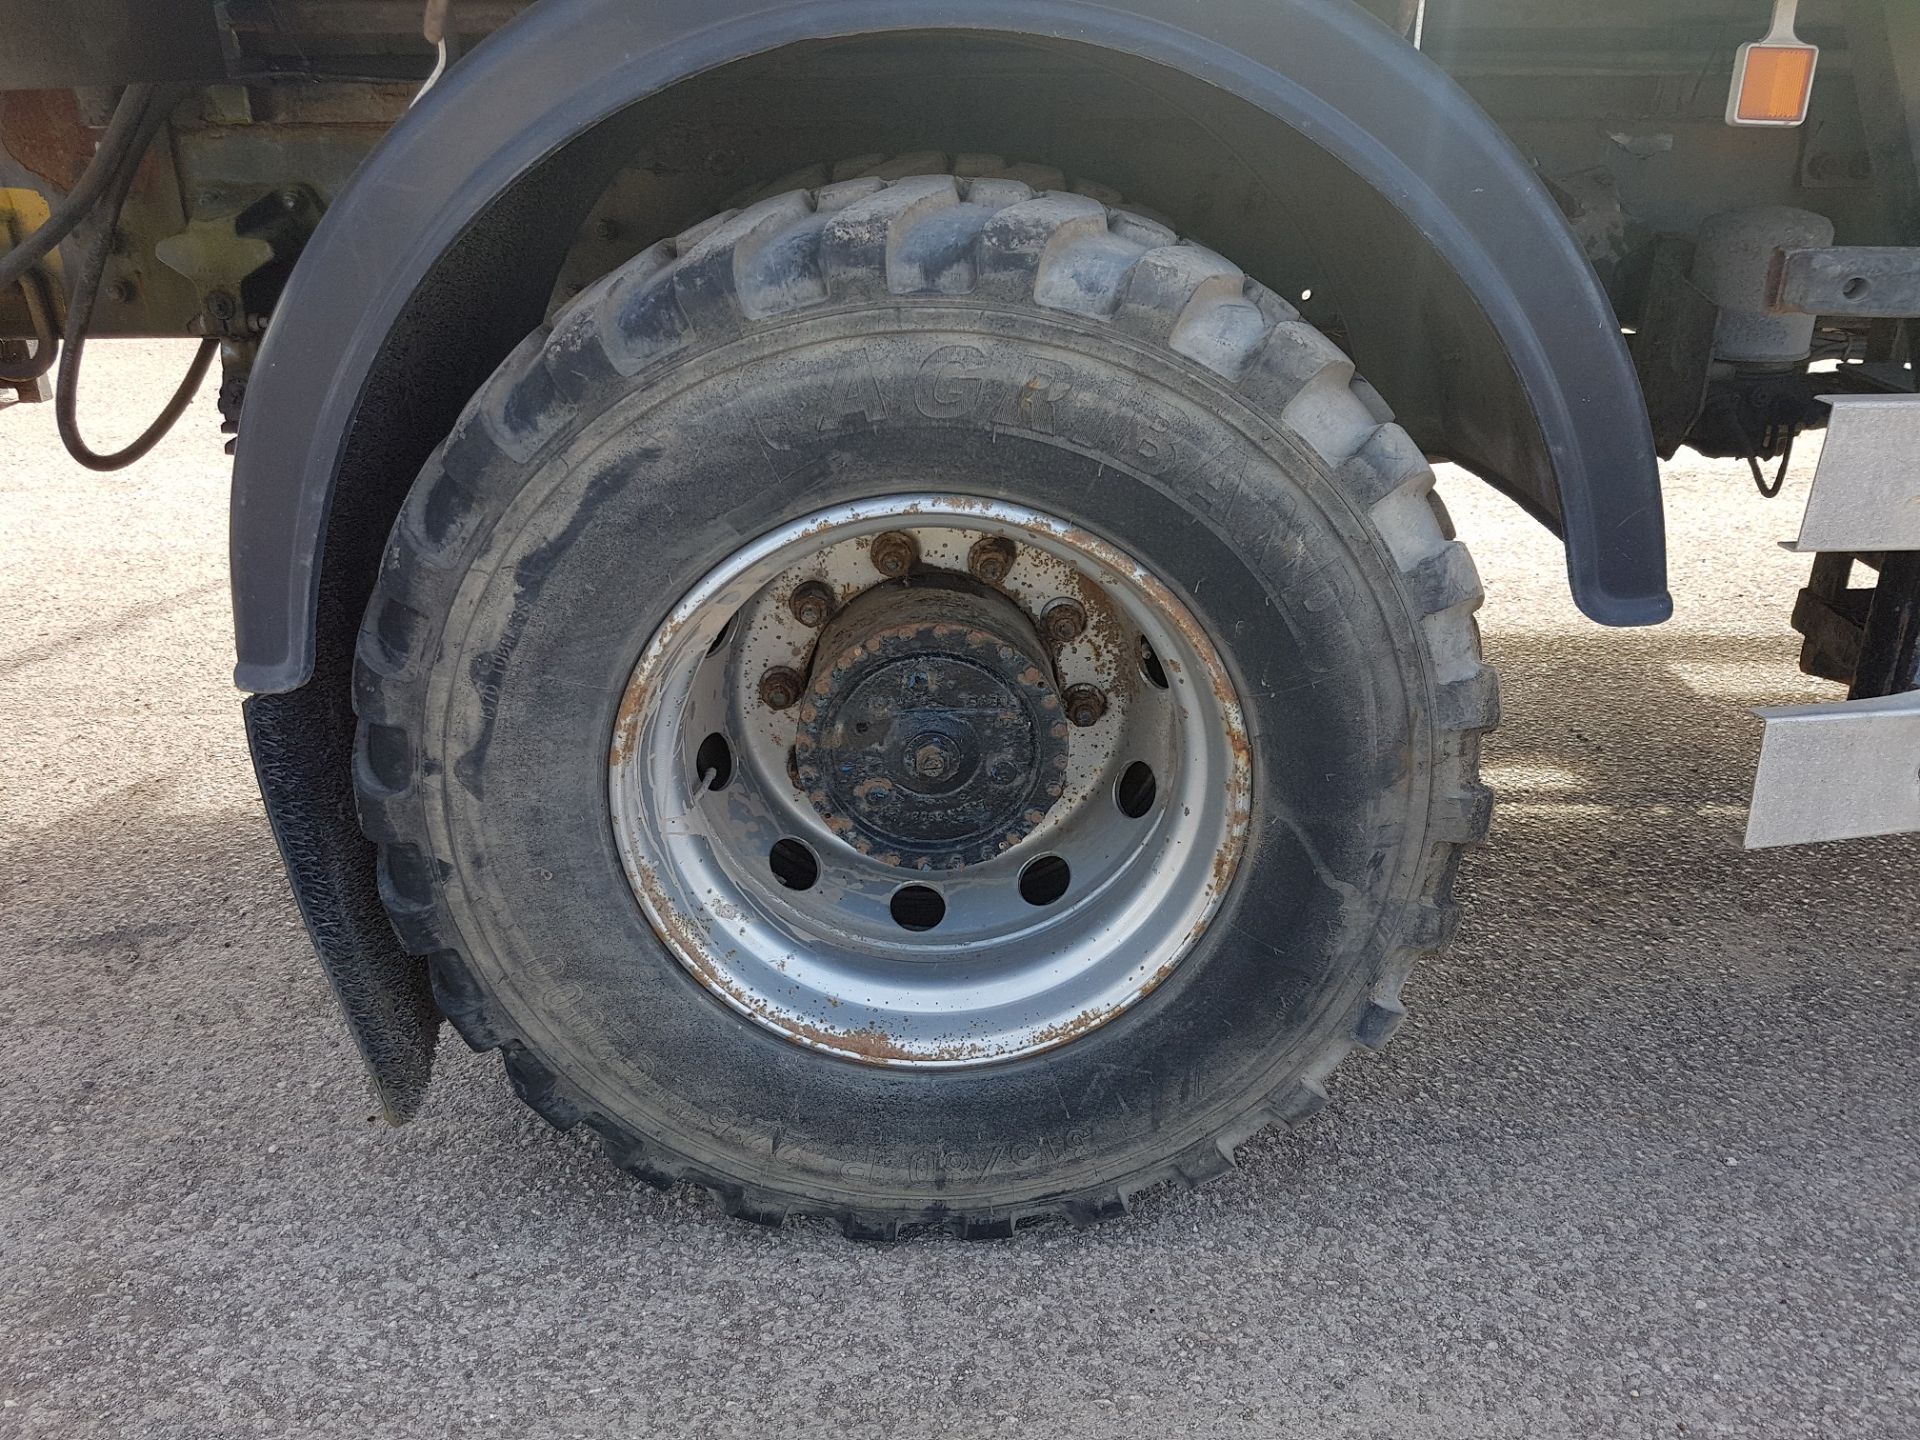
{"x":86,"y":289}
{"x":122,"y":133}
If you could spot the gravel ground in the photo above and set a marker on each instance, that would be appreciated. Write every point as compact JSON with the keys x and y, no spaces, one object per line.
{"x":1642,"y":1163}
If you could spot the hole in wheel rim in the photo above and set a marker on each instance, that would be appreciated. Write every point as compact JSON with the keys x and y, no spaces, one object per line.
{"x":1045,"y":880}
{"x":714,"y":758}
{"x":917,"y":907}
{"x":1150,"y":666}
{"x":793,"y":864}
{"x":1136,"y":790}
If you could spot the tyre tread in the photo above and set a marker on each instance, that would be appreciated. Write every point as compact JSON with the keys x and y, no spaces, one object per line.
{"x":877,"y":227}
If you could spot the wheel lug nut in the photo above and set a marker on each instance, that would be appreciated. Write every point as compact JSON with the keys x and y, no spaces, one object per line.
{"x":780,"y":687}
{"x":811,"y":604}
{"x":1085,"y":704}
{"x":1064,"y":620}
{"x":991,"y":559}
{"x":894,"y":553}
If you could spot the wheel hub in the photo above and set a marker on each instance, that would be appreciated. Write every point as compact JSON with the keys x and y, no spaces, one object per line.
{"x":932,"y":734}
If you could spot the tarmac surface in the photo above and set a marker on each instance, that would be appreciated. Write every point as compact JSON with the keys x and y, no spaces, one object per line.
{"x":1643,"y":1161}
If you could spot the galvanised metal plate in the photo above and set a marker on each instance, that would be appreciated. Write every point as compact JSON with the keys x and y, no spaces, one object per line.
{"x":1837,"y":772}
{"x":1866,"y":493}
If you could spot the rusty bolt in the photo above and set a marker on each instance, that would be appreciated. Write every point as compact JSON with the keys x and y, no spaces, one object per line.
{"x":121,"y":292}
{"x":221,"y":306}
{"x":811,"y":604}
{"x":933,"y":756}
{"x":780,"y":687}
{"x":990,"y":559}
{"x":1064,"y":620}
{"x":1085,"y":704}
{"x":894,"y":553}
{"x":875,"y":793}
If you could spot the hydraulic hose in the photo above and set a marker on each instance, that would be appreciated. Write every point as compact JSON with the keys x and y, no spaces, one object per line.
{"x":86,"y":289}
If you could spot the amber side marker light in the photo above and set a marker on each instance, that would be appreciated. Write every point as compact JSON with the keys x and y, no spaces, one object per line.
{"x":1773,"y":77}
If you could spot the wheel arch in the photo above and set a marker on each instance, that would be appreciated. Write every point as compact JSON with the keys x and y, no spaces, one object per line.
{"x":1463,"y":296}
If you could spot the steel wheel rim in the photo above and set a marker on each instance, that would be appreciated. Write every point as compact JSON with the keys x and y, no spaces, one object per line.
{"x":830,"y":964}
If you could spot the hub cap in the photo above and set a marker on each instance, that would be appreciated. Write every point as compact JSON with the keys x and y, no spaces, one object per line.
{"x":940,"y":826}
{"x":932,"y":735}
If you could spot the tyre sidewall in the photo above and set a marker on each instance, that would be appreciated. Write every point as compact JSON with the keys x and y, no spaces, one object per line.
{"x":601,"y":532}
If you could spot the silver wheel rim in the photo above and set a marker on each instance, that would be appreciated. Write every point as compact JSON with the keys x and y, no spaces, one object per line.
{"x":815,"y":940}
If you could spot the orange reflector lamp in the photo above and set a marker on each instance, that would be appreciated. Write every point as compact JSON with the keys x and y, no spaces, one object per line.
{"x":1773,"y":77}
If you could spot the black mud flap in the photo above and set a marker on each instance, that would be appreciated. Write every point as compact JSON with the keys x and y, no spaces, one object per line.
{"x":302,"y":756}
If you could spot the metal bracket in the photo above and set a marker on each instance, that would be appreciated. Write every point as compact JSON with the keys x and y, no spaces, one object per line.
{"x":1837,"y":772}
{"x":1869,"y":282}
{"x":1866,"y":491}
{"x":231,"y":238}
{"x":1832,"y":772}
{"x":1673,"y":347}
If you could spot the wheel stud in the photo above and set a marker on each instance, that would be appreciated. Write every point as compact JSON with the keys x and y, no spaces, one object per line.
{"x":1064,"y":621}
{"x":811,"y":604}
{"x":894,"y":553}
{"x":991,"y":559}
{"x":1085,"y":704}
{"x":780,"y":687}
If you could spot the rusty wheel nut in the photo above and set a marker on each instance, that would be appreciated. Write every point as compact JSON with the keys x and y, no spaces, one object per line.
{"x":1084,"y":704}
{"x":991,"y":559}
{"x":811,"y":604}
{"x":894,"y":553}
{"x":1064,"y":620}
{"x":780,"y":687}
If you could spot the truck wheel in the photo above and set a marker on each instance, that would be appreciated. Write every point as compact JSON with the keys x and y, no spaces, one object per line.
{"x":923,"y":703}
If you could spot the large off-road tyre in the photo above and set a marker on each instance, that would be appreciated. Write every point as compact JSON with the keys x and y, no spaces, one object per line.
{"x":950,"y":403}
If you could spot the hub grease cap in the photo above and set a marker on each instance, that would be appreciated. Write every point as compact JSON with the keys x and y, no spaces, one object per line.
{"x":931,"y":735}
